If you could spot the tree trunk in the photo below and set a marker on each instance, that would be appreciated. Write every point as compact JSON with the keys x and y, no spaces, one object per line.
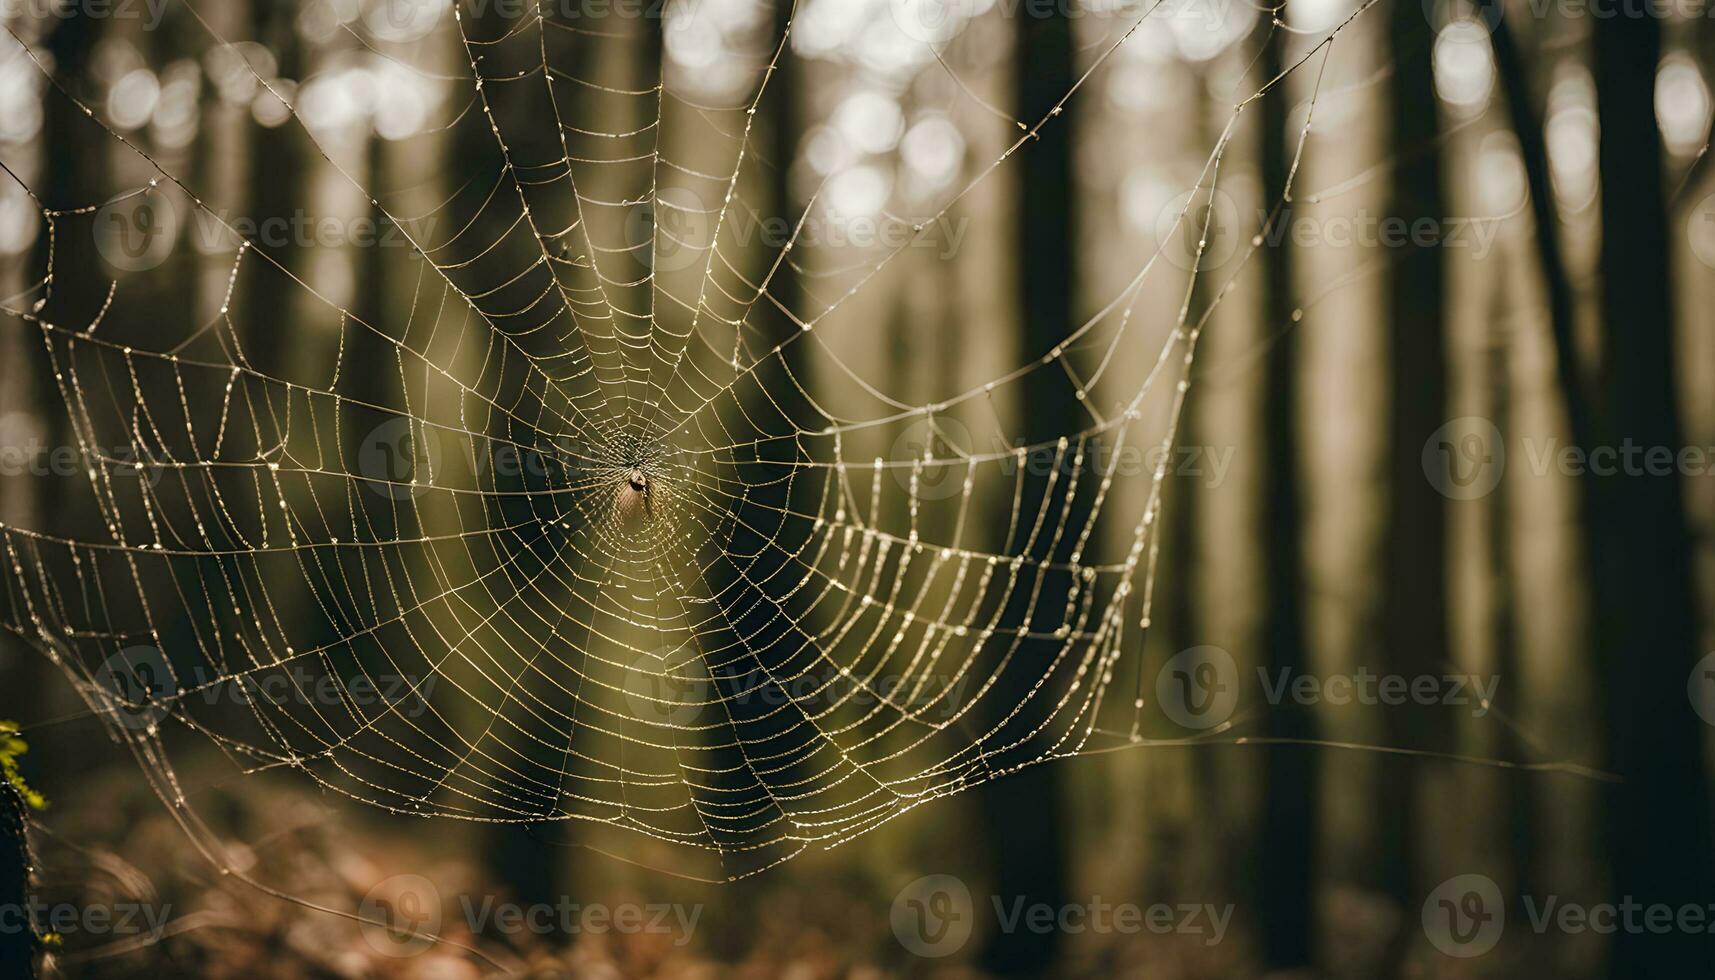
{"x":1414,"y":590}
{"x":1285,"y":862}
{"x":1514,"y":79}
{"x":279,"y":166}
{"x":75,"y":175}
{"x":1026,"y":825}
{"x":1519,"y":797}
{"x":1656,"y":822}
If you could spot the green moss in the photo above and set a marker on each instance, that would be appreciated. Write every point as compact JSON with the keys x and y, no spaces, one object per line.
{"x":12,"y":749}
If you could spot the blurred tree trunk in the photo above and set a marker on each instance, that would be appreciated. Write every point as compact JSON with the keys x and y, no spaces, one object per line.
{"x":785,"y":130}
{"x":782,"y":377}
{"x":75,"y":175}
{"x":1519,"y":799}
{"x":17,"y":945}
{"x":532,"y":862}
{"x":1414,"y":587}
{"x":1515,"y":81}
{"x":1514,"y":76}
{"x":1178,"y":832}
{"x":1656,"y":823}
{"x":1186,"y":843}
{"x":1286,"y":856}
{"x":1026,"y":825}
{"x":1208,"y":864}
{"x":279,"y":164}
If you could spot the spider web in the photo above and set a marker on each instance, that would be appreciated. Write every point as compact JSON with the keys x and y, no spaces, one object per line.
{"x":596,"y":526}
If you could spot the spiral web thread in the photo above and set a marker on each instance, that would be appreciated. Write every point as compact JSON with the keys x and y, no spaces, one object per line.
{"x":793,"y":632}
